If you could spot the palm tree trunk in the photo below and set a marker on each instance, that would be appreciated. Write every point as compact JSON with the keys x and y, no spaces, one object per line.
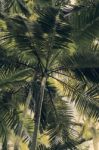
{"x":33,"y":145}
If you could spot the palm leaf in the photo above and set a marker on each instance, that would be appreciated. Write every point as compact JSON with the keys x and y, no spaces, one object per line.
{"x":7,"y":77}
{"x":86,"y":102}
{"x":9,"y":118}
{"x":15,"y":5}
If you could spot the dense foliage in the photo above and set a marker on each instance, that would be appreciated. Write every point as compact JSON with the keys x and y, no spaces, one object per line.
{"x":49,"y":74}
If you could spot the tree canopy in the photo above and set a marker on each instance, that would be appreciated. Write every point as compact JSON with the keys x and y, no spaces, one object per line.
{"x":49,"y":74}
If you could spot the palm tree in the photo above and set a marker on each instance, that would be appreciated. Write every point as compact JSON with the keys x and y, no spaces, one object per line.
{"x":43,"y":66}
{"x":43,"y":46}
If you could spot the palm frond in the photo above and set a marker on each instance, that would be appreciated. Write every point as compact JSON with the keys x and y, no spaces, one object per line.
{"x":60,"y":132}
{"x":56,"y":35}
{"x":14,"y":6}
{"x":85,"y":24}
{"x":86,"y":102}
{"x":8,"y":77}
{"x":5,"y":5}
{"x":9,"y":118}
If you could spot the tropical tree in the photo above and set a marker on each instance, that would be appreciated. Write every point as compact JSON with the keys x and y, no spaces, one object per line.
{"x":42,"y":49}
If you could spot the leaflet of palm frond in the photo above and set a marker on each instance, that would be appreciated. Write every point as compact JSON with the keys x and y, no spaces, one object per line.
{"x":62,"y":143}
{"x":59,"y":130}
{"x":56,"y":37}
{"x":9,"y":115}
{"x":8,"y":61}
{"x":8,"y":77}
{"x":16,"y":26}
{"x":85,"y":16}
{"x":24,"y":41}
{"x":85,"y":24}
{"x":84,"y":64}
{"x":88,"y":36}
{"x":92,"y":71}
{"x":23,"y":7}
{"x":5,"y":5}
{"x":47,"y":18}
{"x":11,"y":61}
{"x":69,"y":145}
{"x":88,"y":73}
{"x":14,"y":6}
{"x":16,"y":29}
{"x":27,"y":130}
{"x":20,"y":94}
{"x":87,"y":102}
{"x":49,"y":24}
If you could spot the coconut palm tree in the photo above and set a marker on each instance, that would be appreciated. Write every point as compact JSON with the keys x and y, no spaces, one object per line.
{"x":42,"y":65}
{"x":45,"y":47}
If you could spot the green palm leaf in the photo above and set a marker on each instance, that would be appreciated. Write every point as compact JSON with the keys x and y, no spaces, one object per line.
{"x":8,"y":77}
